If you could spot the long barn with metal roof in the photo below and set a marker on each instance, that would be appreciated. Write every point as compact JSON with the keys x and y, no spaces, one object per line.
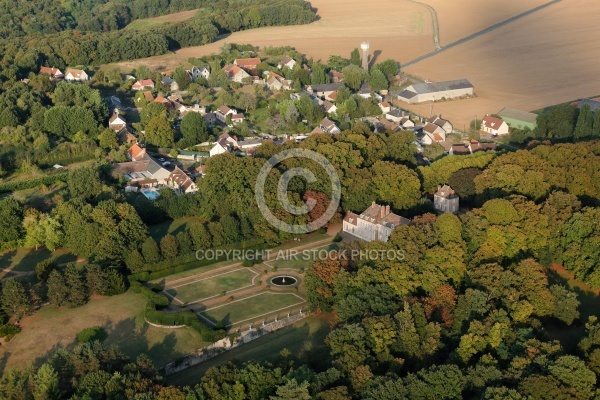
{"x":421,"y":92}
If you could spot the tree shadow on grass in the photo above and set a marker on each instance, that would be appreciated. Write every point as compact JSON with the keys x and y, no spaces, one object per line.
{"x":6,"y":259}
{"x":3,"y":362}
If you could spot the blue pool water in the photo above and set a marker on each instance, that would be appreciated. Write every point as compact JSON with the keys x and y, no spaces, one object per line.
{"x":151,"y":194}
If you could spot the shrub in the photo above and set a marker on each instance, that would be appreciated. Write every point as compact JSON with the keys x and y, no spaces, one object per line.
{"x":247,"y":263}
{"x":337,"y":238}
{"x":8,"y":331}
{"x":322,"y":230}
{"x":91,"y":334}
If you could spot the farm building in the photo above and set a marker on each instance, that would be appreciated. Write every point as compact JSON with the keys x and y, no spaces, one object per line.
{"x":421,"y":92}
{"x":518,"y":119}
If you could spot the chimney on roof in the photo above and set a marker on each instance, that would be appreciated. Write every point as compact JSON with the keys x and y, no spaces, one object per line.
{"x":382,"y":211}
{"x":402,"y":114}
{"x":373,"y":204}
{"x":387,"y":210}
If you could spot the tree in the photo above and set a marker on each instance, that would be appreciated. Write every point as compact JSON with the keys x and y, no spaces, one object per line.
{"x":150,"y":251}
{"x":292,"y":391}
{"x":318,"y":75}
{"x":354,"y":76}
{"x":77,"y":292}
{"x":585,"y":122}
{"x":15,"y":302}
{"x":389,"y":67}
{"x":336,"y":63}
{"x":596,"y":124}
{"x":159,"y":132}
{"x":11,"y":215}
{"x":46,"y":384}
{"x":134,"y":261}
{"x":355,"y":58}
{"x":182,"y":78}
{"x":565,"y":304}
{"x":84,"y":183}
{"x":377,"y":80}
{"x":57,"y":289}
{"x":463,"y":182}
{"x":169,"y":247}
{"x":95,"y":279}
{"x":152,"y":110}
{"x":44,"y":268}
{"x":194,"y":129}
{"x":396,"y":184}
{"x":108,"y":139}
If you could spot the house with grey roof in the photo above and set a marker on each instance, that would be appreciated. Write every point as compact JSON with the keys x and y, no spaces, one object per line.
{"x":445,"y":200}
{"x":375,"y":223}
{"x":324,"y":89}
{"x":433,"y":91}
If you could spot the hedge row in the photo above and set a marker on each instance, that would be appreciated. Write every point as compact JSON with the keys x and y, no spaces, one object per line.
{"x":157,"y":300}
{"x":32,"y":183}
{"x":189,"y":261}
{"x":187,"y":318}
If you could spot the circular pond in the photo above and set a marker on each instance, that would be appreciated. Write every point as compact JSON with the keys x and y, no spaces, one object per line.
{"x":284,"y":281}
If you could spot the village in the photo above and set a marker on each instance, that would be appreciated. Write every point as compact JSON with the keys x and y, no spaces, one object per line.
{"x":335,"y":99}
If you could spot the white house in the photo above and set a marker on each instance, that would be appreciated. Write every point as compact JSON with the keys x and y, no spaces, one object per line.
{"x":199,"y":72}
{"x":224,"y":144}
{"x":445,"y":199}
{"x":287,"y":62}
{"x":442,"y":123}
{"x":235,"y":73}
{"x":385,"y":107}
{"x":375,"y":223}
{"x":329,"y":107}
{"x":53,"y":72}
{"x":117,"y":121}
{"x":181,"y":182}
{"x":76,"y":75}
{"x":223,"y":111}
{"x":494,"y":126}
{"x":328,"y":126}
{"x":143,"y":84}
{"x":433,"y":133}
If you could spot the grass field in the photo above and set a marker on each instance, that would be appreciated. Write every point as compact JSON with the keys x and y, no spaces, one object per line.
{"x":25,"y":259}
{"x":121,"y":316}
{"x":173,"y":227}
{"x":251,"y":307}
{"x":149,"y":23}
{"x":304,"y":339}
{"x":204,"y":288}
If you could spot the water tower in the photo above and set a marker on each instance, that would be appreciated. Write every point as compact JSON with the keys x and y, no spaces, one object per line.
{"x":365,"y":55}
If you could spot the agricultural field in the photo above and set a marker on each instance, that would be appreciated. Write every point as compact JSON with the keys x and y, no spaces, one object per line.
{"x":509,"y":66}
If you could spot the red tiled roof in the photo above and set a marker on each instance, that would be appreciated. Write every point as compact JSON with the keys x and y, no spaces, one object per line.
{"x":492,"y":122}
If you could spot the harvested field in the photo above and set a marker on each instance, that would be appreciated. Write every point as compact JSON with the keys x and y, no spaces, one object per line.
{"x":403,"y":31}
{"x":543,"y":59}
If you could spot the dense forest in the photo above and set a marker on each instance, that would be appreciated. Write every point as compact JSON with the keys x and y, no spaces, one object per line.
{"x":472,"y":310}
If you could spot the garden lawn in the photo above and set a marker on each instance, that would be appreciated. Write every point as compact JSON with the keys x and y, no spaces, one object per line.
{"x":203,"y":288}
{"x":173,"y":227}
{"x":251,"y":307}
{"x":305,"y":339}
{"x":121,"y":316}
{"x":25,"y":259}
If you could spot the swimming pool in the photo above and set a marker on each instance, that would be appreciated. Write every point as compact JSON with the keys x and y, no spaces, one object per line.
{"x":151,"y":194}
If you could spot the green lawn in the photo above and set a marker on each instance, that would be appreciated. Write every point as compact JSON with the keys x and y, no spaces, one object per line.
{"x":25,"y":259}
{"x":121,"y":316}
{"x":173,"y":227}
{"x":304,"y":339}
{"x":200,"y":289}
{"x":251,"y":307}
{"x":303,"y":259}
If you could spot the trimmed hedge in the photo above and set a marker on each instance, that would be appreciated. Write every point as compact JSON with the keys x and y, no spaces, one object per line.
{"x":32,"y":183}
{"x":187,"y":318}
{"x":158,"y":300}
